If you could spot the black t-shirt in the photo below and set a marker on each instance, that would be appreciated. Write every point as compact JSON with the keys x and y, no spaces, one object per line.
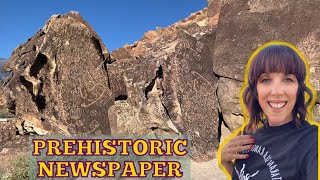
{"x":281,"y":153}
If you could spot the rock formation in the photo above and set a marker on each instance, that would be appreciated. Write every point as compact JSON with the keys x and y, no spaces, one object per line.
{"x":195,"y":25}
{"x":171,"y":89}
{"x":246,"y":25}
{"x":183,"y":79}
{"x":59,"y":78}
{"x":172,"y":67}
{"x":233,"y":30}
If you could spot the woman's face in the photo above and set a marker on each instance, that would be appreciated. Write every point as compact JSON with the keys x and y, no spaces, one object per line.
{"x":277,"y":94}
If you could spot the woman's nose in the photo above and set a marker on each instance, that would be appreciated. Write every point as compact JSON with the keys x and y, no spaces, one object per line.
{"x":276,"y":89}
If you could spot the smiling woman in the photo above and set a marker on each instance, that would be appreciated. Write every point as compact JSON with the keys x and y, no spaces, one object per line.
{"x":277,"y":94}
{"x":278,"y":141}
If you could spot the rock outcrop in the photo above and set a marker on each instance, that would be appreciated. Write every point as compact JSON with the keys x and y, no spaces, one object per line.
{"x":246,"y":25}
{"x":166,"y":85}
{"x":63,"y":82}
{"x":170,"y":89}
{"x":59,"y":77}
{"x":228,"y":95}
{"x":196,"y":25}
{"x":183,"y":79}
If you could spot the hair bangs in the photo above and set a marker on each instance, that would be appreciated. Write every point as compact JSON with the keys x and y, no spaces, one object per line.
{"x":277,"y":59}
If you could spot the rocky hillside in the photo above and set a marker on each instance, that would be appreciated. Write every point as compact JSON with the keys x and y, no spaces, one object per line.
{"x":195,"y":25}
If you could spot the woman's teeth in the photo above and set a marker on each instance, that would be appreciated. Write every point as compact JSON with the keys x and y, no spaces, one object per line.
{"x":277,"y":105}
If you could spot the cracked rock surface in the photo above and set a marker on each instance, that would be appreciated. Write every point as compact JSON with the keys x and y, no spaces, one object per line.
{"x":246,"y":25}
{"x":228,"y":93}
{"x":179,"y":80}
{"x":58,"y":76}
{"x":170,"y":90}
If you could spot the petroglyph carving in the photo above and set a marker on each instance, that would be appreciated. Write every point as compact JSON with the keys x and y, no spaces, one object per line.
{"x":72,"y":80}
{"x":199,"y":46}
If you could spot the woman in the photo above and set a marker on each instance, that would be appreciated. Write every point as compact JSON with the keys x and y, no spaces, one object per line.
{"x":278,"y":142}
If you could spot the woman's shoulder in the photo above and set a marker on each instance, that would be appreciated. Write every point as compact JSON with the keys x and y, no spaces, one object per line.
{"x":309,"y":131}
{"x":310,"y":126}
{"x":306,"y":128}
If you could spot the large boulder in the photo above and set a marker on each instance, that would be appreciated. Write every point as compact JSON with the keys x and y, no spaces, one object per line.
{"x":246,"y":25}
{"x":138,"y":108}
{"x":59,"y":76}
{"x":283,"y":20}
{"x":169,"y":89}
{"x":163,"y":84}
{"x":190,"y":93}
{"x":228,"y":94}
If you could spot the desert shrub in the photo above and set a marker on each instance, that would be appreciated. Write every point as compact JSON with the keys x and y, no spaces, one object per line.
{"x":4,"y":113}
{"x":21,"y":167}
{"x":17,"y":169}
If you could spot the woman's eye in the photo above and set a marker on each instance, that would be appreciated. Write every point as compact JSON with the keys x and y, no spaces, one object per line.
{"x":288,"y":80}
{"x":265,"y":80}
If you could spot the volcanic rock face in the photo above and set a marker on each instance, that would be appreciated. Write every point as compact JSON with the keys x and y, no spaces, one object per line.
{"x":246,"y":25}
{"x":183,"y":79}
{"x":59,"y":77}
{"x":269,"y":21}
{"x":228,"y":93}
{"x":164,"y":83}
{"x":138,"y":109}
{"x":171,"y":90}
{"x":190,"y":97}
{"x":196,"y":25}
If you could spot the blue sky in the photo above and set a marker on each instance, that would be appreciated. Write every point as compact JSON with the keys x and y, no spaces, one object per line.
{"x":116,"y":21}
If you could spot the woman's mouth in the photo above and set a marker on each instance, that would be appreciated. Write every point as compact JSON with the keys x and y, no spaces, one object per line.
{"x":277,"y":105}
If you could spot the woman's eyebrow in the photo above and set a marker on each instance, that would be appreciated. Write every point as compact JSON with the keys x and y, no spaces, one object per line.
{"x":264,"y":74}
{"x":287,"y":74}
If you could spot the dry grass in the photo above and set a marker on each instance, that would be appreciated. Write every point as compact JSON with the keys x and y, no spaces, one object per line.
{"x":4,"y":113}
{"x":15,"y":168}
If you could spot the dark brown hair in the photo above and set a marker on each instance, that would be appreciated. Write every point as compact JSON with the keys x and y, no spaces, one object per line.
{"x":276,"y":59}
